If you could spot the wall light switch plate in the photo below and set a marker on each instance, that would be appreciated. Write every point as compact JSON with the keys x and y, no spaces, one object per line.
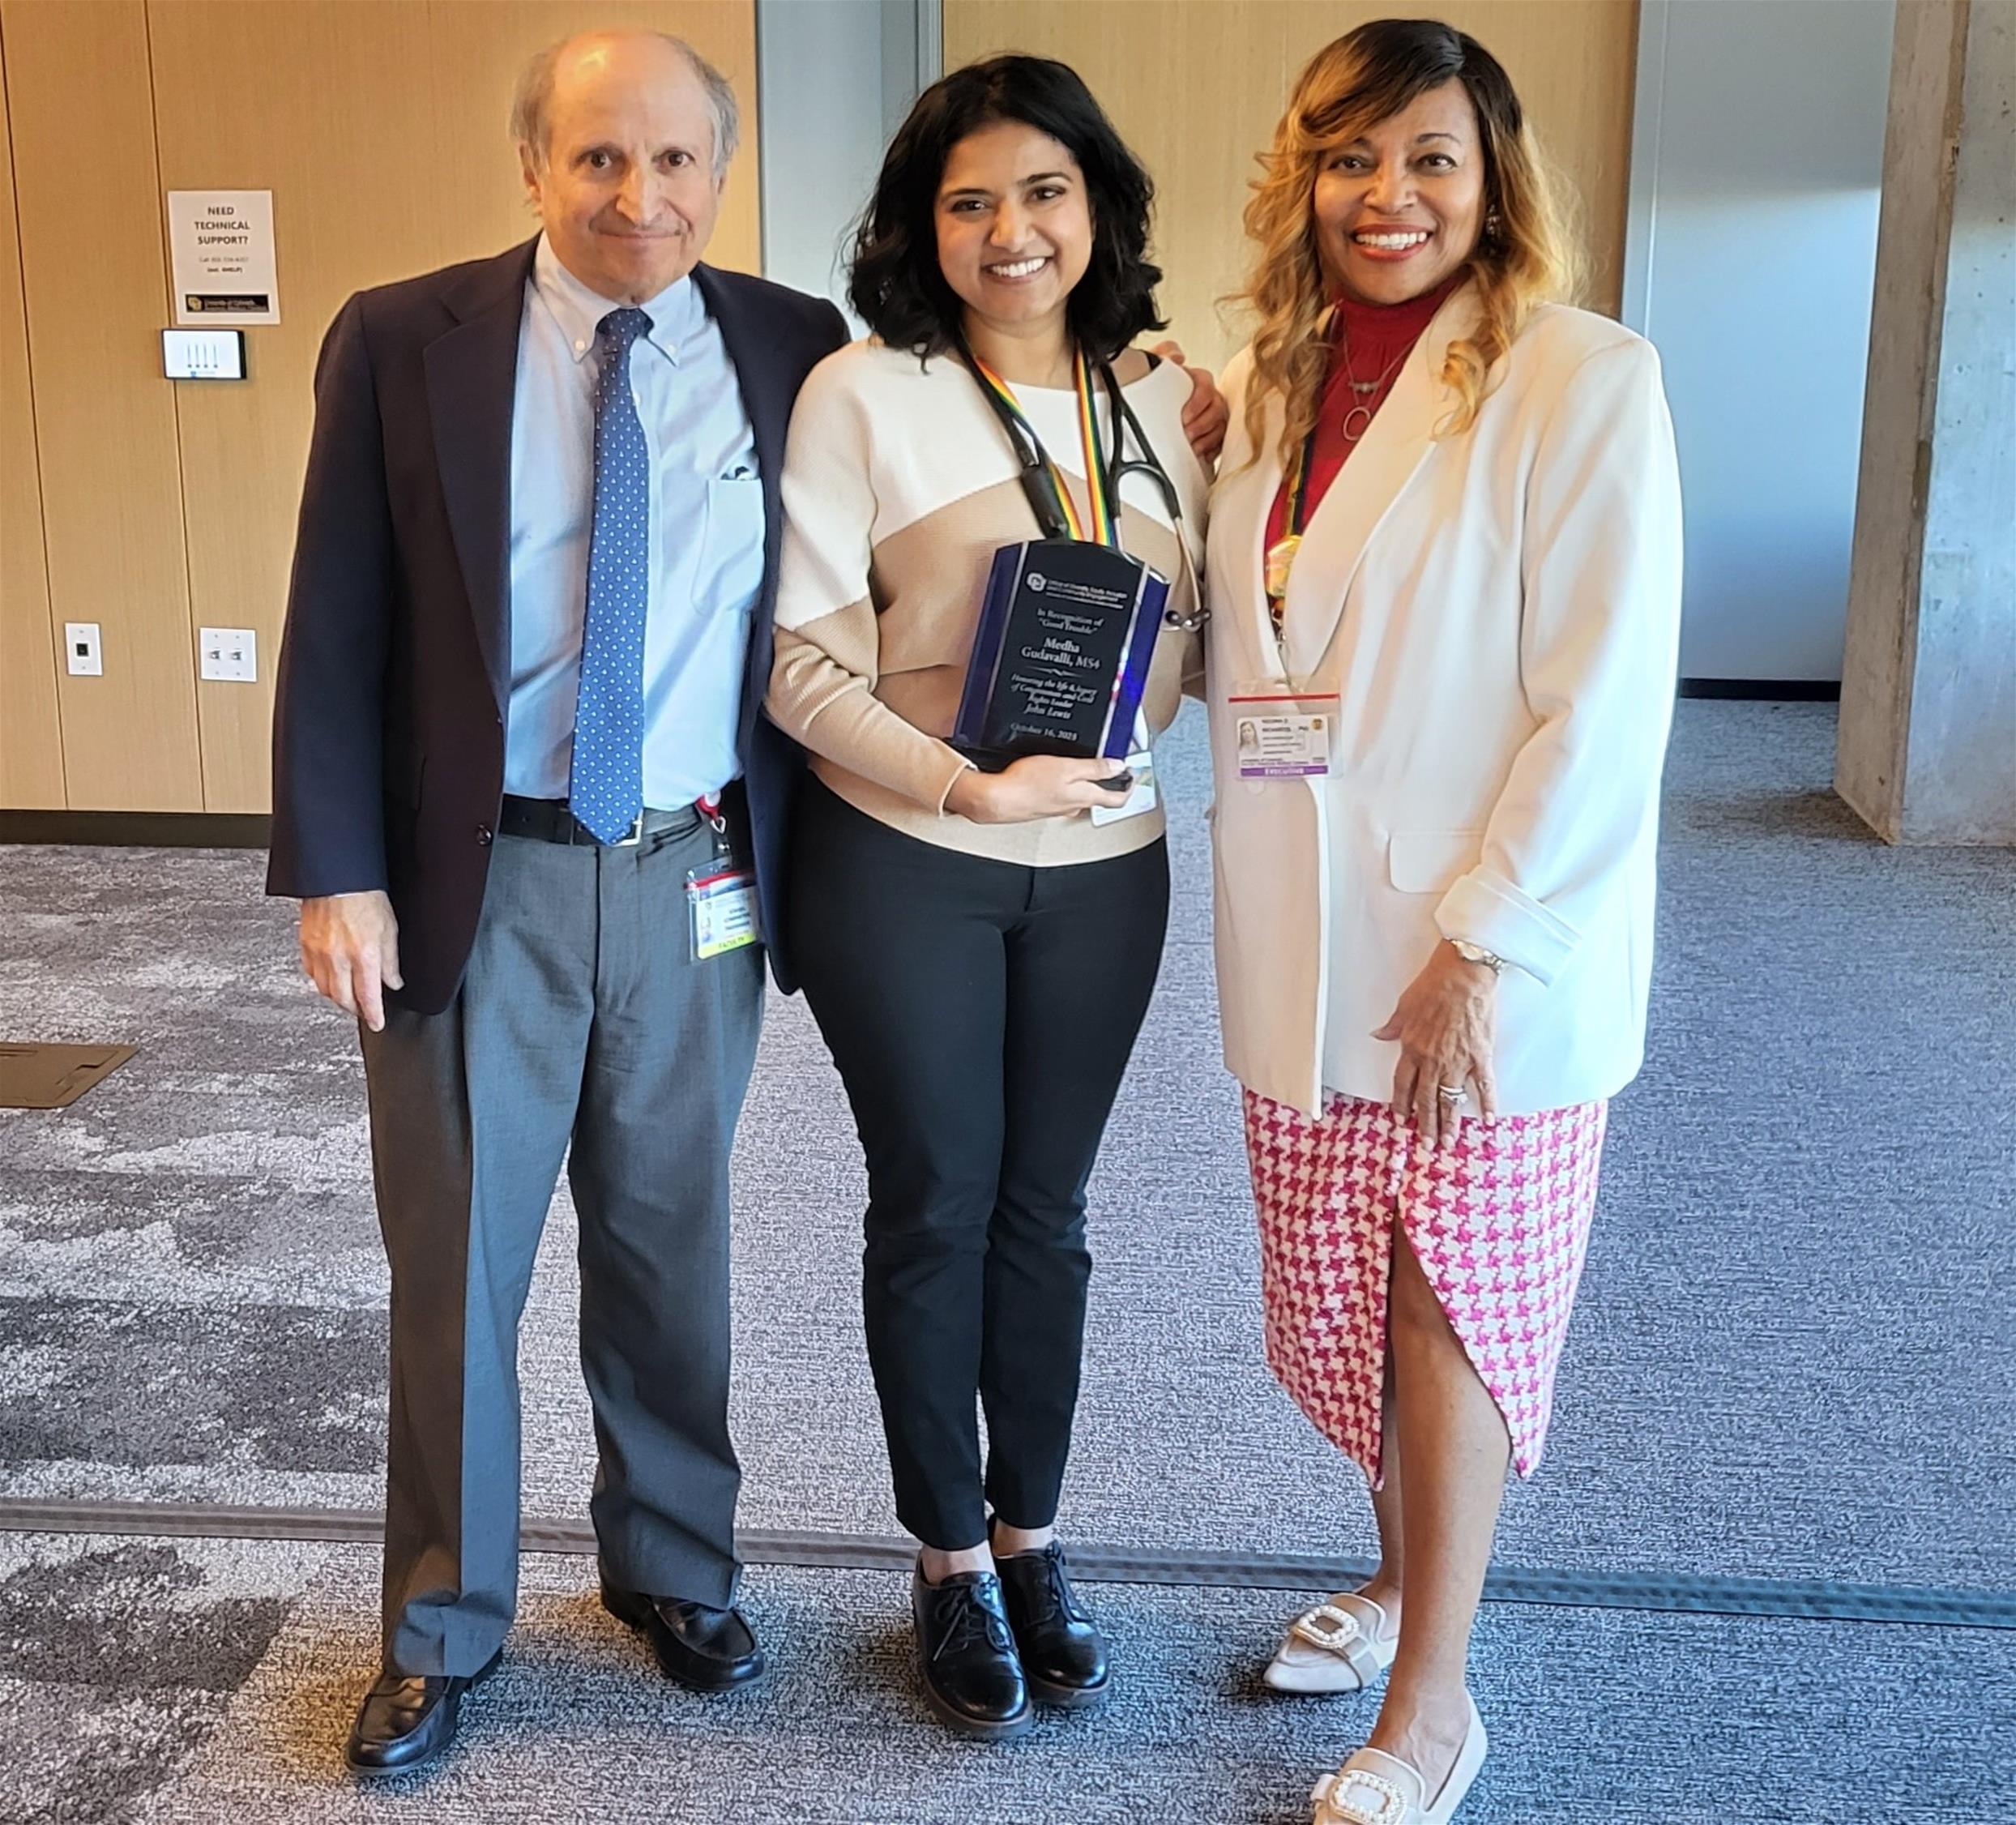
{"x":202,"y":354}
{"x":229,"y":653}
{"x":84,"y":649}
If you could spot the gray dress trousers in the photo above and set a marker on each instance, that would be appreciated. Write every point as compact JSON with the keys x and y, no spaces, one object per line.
{"x":583,"y":1021}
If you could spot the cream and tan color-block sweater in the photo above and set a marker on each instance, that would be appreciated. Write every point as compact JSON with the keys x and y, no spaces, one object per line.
{"x":899,"y":485}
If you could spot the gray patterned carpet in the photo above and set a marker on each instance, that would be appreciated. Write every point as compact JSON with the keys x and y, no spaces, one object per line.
{"x":1792,"y":1358}
{"x":195,"y":1682}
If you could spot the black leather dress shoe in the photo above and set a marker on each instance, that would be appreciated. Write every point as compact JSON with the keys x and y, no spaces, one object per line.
{"x":1063,"y":1654}
{"x":972,"y":1677}
{"x":405,"y":1721}
{"x":705,"y":1650}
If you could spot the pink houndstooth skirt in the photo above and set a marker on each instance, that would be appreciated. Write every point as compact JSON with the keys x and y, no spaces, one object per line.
{"x":1499,"y":1222}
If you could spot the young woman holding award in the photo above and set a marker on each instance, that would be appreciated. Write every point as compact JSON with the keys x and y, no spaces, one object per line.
{"x":987,"y":607}
{"x":1444,"y":567}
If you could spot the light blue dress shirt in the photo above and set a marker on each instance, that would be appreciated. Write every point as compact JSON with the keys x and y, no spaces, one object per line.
{"x":706,"y":537}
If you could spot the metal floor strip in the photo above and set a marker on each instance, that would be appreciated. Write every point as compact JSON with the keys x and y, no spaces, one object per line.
{"x":1818,"y":1598}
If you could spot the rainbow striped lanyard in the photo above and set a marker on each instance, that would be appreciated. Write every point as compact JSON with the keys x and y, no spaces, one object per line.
{"x":1105,"y":526}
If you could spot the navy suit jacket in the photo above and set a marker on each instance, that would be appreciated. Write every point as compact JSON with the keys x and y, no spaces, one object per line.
{"x":395,"y":672}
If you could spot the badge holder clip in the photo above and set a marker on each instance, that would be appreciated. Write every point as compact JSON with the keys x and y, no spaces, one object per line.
{"x":721,"y":913}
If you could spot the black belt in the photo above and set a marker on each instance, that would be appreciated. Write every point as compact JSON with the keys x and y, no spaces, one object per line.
{"x":550,"y":821}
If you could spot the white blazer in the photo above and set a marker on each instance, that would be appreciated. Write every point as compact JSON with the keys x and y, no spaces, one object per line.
{"x":1498,"y":615}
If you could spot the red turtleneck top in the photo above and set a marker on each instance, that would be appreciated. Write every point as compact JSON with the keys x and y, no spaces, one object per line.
{"x":1368,"y":342}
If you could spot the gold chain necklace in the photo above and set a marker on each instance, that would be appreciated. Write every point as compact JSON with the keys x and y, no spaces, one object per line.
{"x":1368,"y":392}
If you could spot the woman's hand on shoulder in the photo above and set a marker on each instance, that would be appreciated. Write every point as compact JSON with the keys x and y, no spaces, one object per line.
{"x":1037,"y":786}
{"x":1205,"y":414}
{"x":1446,"y":1025}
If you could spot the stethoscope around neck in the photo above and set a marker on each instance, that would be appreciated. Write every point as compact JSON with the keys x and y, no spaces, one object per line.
{"x":1039,"y":484}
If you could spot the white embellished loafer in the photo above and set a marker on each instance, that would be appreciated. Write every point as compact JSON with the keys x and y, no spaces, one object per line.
{"x":1340,"y":1646}
{"x":1376,"y":1788}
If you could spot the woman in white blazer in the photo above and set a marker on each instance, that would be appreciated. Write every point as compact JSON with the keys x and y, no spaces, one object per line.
{"x":1444,"y":567}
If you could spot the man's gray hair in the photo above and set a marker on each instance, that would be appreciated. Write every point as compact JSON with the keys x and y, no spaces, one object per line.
{"x":532,"y":100}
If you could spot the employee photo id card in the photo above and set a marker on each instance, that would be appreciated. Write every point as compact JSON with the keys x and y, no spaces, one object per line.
{"x":1141,"y":795}
{"x":722,"y":905}
{"x":1282,"y":736}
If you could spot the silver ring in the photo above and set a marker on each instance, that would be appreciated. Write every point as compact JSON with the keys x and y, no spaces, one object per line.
{"x":1451,"y":1093}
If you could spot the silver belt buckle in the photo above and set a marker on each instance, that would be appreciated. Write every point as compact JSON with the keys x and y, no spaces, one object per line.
{"x":633,"y":836}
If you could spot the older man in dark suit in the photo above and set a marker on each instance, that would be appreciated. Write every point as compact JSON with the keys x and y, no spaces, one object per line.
{"x":523,"y":791}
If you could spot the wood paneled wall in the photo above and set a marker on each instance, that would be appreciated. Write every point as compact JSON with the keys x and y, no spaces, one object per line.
{"x":1196,"y":87}
{"x":154,"y":509}
{"x":31,"y":751}
{"x":80,"y":105}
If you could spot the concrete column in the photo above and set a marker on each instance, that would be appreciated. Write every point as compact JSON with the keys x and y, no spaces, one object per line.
{"x":1927,"y":735}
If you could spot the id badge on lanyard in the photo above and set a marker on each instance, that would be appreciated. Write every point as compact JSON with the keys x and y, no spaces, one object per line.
{"x":1282,"y":734}
{"x":1141,"y":795}
{"x":720,"y":896}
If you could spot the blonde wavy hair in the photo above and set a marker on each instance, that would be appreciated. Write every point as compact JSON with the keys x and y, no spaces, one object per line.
{"x":1525,"y":256}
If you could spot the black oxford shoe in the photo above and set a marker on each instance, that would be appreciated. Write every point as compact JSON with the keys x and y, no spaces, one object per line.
{"x":972,"y":1677}
{"x":406,"y":1721}
{"x":1063,"y":1655}
{"x":705,"y":1650}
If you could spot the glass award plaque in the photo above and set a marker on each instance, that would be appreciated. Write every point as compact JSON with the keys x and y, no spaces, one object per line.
{"x":1067,"y":631}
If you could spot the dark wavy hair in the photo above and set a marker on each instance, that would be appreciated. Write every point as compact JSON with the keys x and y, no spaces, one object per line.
{"x":894,"y":280}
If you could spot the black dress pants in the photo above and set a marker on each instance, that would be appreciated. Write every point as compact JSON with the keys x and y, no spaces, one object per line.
{"x":981,"y":1014}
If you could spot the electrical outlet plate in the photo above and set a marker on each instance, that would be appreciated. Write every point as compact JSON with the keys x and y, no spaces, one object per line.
{"x":230,"y":655}
{"x":84,"y":649}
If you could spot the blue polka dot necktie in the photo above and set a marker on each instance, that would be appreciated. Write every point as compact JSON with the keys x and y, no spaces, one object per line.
{"x":606,"y":788}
